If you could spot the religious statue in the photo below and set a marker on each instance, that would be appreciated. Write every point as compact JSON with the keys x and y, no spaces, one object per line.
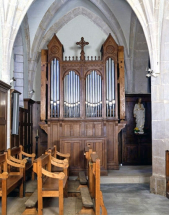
{"x":139,"y":114}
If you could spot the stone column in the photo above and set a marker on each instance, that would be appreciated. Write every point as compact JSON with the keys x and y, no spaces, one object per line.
{"x":160,"y":114}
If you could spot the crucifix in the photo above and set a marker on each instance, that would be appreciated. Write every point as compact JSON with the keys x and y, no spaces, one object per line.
{"x":82,"y":43}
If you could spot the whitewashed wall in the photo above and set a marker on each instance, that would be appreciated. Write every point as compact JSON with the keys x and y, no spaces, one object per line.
{"x":77,"y":28}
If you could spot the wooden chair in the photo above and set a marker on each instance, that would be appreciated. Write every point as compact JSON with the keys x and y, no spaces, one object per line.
{"x":49,"y":184}
{"x":16,"y":155}
{"x":9,"y":181}
{"x":56,"y":154}
{"x":93,"y":191}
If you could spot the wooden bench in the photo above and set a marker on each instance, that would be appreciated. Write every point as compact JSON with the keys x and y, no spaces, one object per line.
{"x":50,"y":184}
{"x":92,"y":198}
{"x":16,"y":155}
{"x":31,"y":203}
{"x":9,"y":181}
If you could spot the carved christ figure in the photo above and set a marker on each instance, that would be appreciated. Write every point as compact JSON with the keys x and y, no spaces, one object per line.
{"x":139,"y":114}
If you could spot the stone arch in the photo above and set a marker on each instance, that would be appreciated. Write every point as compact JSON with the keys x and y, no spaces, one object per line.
{"x":20,"y":10}
{"x":115,"y":29}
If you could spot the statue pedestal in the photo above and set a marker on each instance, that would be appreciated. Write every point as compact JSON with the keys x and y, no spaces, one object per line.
{"x":143,"y":150}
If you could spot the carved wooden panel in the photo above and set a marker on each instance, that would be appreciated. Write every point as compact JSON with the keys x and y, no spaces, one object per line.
{"x":98,"y":128}
{"x":121,"y":82}
{"x":89,"y":129}
{"x":55,"y":49}
{"x":110,"y":48}
{"x":76,"y":129}
{"x":76,"y":159}
{"x":43,"y":110}
{"x":110,"y":141}
{"x":67,"y":129}
{"x":99,"y":146}
{"x":55,"y":133}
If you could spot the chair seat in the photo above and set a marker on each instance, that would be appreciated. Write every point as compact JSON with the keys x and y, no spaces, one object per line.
{"x":12,"y":180}
{"x":52,"y":184}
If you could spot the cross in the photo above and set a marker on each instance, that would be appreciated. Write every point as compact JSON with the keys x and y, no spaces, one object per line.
{"x":82,"y":43}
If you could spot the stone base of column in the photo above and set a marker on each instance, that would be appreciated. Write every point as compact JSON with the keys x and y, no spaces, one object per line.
{"x":158,"y":185}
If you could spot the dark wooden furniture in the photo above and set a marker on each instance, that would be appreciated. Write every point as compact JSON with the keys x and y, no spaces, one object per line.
{"x":136,"y":149}
{"x":9,"y":181}
{"x":3,"y":114}
{"x":167,"y":174}
{"x":49,"y":184}
{"x":98,"y":128}
{"x":16,"y":154}
{"x":25,"y":137}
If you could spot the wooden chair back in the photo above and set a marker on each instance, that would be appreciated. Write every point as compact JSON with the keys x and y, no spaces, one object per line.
{"x":55,"y":153}
{"x":61,"y":164}
{"x":94,"y":183}
{"x":15,"y":152}
{"x":10,"y":180}
{"x":42,"y":166}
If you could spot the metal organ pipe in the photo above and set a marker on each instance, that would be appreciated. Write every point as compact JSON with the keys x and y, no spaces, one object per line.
{"x":110,"y":83}
{"x":71,"y":90}
{"x":113,"y":87}
{"x":78,"y":90}
{"x":100,"y":96}
{"x":51,"y":94}
{"x":86,"y":95}
{"x":55,"y":86}
{"x":93,"y":95}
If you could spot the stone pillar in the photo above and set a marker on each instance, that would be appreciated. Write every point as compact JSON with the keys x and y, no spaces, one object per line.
{"x":160,"y":113}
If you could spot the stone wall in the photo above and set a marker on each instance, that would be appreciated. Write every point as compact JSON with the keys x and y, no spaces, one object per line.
{"x":140,"y":62}
{"x":19,"y":65}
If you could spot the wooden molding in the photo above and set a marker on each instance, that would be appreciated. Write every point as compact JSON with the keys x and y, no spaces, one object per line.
{"x":4,"y":85}
{"x":121,"y":125}
{"x":44,"y":127}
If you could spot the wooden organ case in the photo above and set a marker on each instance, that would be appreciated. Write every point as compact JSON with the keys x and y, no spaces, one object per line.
{"x":83,"y":102}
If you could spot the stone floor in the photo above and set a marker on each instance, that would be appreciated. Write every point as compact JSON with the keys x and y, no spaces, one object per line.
{"x":128,"y":174}
{"x":120,"y":199}
{"x":125,"y":192}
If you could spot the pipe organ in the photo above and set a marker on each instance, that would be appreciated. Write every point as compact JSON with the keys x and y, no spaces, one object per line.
{"x":83,"y":102}
{"x":93,"y":95}
{"x":71,"y":95}
{"x":55,"y":95}
{"x":110,"y":88}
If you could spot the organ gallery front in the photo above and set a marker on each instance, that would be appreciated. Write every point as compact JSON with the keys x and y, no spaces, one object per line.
{"x":83,"y":102}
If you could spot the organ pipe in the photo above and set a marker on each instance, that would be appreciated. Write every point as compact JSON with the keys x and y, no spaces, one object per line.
{"x":93,"y":95}
{"x":71,"y":95}
{"x":110,"y":87}
{"x":55,"y":86}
